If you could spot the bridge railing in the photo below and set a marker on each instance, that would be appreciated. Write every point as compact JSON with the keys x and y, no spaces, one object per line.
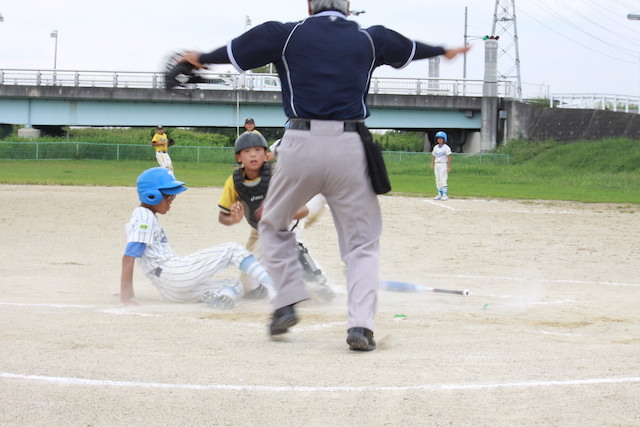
{"x":246,"y":81}
{"x":594,"y":101}
{"x":115,"y":79}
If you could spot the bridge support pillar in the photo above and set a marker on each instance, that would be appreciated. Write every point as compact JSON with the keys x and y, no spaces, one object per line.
{"x":29,"y":133}
{"x":489,"y":130}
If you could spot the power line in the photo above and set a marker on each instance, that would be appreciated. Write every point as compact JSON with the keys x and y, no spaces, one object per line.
{"x":567,"y":23}
{"x":570,"y":23}
{"x":609,"y":30}
{"x":615,"y":17}
{"x":624,"y":5}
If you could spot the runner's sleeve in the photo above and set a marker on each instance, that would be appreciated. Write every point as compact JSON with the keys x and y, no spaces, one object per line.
{"x":135,"y":249}
{"x":141,"y":226}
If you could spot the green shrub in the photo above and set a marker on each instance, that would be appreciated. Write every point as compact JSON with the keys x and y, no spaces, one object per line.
{"x":400,"y":141}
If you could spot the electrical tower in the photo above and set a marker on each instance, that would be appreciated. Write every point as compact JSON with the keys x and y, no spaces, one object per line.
{"x":505,"y":26}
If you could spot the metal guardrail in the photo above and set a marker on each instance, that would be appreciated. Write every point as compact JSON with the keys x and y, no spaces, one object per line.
{"x":250,"y":81}
{"x":594,"y":101}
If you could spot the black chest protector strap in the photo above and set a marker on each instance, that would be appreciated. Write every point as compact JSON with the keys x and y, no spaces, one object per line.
{"x":252,"y":194}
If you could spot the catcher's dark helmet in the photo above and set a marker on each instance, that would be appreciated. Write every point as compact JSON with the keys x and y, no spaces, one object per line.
{"x":250,"y":139}
{"x":155,"y":182}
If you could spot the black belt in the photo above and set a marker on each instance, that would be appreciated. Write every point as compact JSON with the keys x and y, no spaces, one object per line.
{"x":306,"y":125}
{"x":161,"y":151}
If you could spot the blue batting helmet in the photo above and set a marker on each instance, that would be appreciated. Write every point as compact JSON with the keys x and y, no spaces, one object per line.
{"x":155,"y":182}
{"x":441,"y":134}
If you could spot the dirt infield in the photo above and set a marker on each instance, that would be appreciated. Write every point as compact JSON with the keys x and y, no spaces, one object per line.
{"x":550,"y":334}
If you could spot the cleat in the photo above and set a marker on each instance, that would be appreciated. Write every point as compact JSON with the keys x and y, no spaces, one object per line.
{"x":221,"y":302}
{"x":360,"y":339}
{"x":438,"y":197}
{"x":445,"y":198}
{"x":283,"y":319}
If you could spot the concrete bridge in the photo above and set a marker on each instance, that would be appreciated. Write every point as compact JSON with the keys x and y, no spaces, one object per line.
{"x":44,"y":99}
{"x":477,"y":114}
{"x":42,"y":102}
{"x":475,"y":121}
{"x":467,"y":109}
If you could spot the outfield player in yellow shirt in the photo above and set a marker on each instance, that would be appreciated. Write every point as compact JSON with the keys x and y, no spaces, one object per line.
{"x":161,"y":142}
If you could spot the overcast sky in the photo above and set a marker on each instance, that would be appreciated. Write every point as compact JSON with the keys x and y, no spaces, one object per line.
{"x":572,"y":46}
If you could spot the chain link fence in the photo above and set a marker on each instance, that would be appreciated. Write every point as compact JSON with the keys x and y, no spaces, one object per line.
{"x":402,"y":162}
{"x":101,"y":151}
{"x":397,"y":161}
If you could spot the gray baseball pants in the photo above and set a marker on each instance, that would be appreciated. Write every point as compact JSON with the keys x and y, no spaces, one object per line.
{"x":330,"y":161}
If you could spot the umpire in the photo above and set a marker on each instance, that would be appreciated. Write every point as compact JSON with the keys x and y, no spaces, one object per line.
{"x":325,"y":64}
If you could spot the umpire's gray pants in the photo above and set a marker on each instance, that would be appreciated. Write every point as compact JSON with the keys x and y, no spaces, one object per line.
{"x":329,"y":161}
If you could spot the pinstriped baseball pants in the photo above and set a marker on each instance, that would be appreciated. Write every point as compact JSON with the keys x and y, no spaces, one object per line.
{"x":329,"y":161}
{"x":187,"y":278}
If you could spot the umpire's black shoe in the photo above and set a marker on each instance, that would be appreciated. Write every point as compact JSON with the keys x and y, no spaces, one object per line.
{"x":360,"y":339}
{"x":283,"y":318}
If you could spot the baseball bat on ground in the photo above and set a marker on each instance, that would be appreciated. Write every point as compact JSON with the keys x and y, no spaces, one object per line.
{"x":389,"y":285}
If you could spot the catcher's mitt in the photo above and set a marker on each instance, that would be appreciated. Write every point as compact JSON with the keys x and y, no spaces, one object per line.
{"x":171,"y":142}
{"x":179,"y":73}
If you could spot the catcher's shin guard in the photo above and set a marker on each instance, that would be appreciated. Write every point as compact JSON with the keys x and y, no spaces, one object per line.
{"x":311,"y":270}
{"x":313,"y":274}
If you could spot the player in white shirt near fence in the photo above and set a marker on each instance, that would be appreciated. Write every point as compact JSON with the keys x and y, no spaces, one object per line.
{"x":441,"y":165}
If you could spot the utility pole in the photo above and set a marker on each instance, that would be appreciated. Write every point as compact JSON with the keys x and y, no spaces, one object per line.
{"x":505,"y":27}
{"x":466,"y":38}
{"x":634,"y":17}
{"x":54,"y":35}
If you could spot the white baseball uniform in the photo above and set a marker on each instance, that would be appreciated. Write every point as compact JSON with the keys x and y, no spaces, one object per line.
{"x":164,"y":160}
{"x":440,"y":167}
{"x":186,"y":278}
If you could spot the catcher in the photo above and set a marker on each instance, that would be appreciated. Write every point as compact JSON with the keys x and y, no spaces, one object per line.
{"x":243,"y":194}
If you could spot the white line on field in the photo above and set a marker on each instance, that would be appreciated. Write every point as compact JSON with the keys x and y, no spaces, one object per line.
{"x":527,"y":279}
{"x":541,"y":211}
{"x":119,"y":311}
{"x":18,"y":304}
{"x":433,"y":387}
{"x":533,"y":212}
{"x":317,"y":327}
{"x":542,"y":331}
{"x":523,"y":211}
{"x":442,"y":205}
